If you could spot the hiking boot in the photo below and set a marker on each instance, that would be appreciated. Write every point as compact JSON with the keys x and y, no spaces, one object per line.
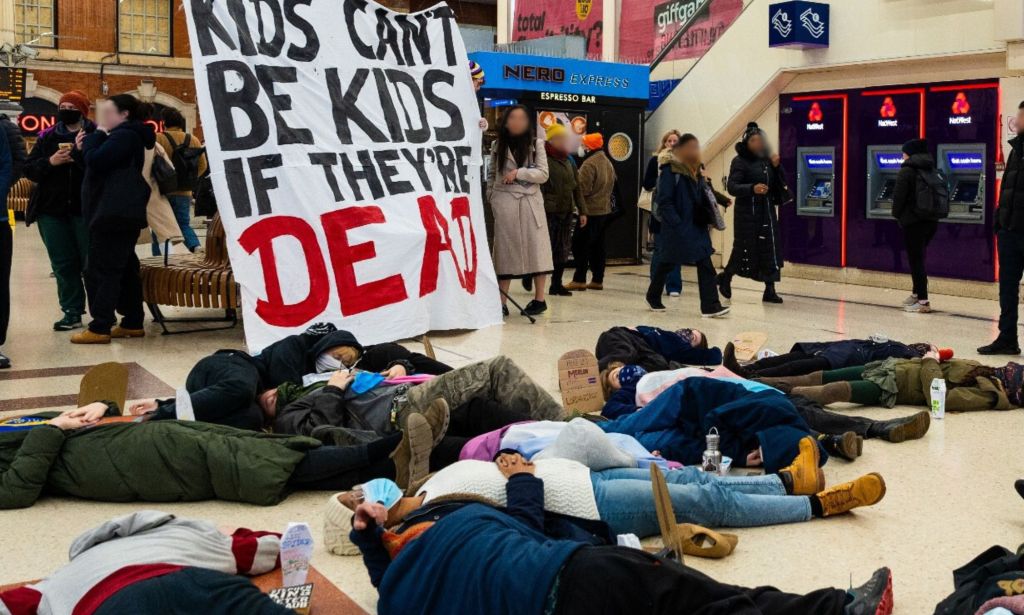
{"x":911,"y":300}
{"x":843,"y":446}
{"x":826,"y":394}
{"x":865,"y":491}
{"x":120,"y":332}
{"x":872,"y":598}
{"x":812,"y":379}
{"x":595,"y":286}
{"x":804,"y":475}
{"x":88,"y":337}
{"x":899,"y":430}
{"x":437,"y":416}
{"x":574,"y":285}
{"x":412,"y":457}
{"x":920,"y":307}
{"x":534,"y":307}
{"x":731,"y":363}
{"x":70,"y":322}
{"x":717,"y":311}
{"x":1001,"y":346}
{"x":725,"y":284}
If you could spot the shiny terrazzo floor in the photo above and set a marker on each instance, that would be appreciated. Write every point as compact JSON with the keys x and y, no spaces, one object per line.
{"x":949,"y":495}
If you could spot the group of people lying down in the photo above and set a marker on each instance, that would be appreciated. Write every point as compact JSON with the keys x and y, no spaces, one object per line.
{"x":343,"y":415}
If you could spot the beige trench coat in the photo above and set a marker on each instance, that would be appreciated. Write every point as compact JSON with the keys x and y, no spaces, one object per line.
{"x":158,"y":212}
{"x":521,"y":243}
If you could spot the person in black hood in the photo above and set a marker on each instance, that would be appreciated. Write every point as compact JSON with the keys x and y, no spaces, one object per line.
{"x":758,"y":182}
{"x":917,"y":231}
{"x":114,"y":198}
{"x":1010,"y":232}
{"x":57,"y":167}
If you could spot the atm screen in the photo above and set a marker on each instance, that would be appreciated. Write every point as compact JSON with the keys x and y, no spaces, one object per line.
{"x":818,"y":162}
{"x":889,"y":161}
{"x":822,"y":189}
{"x":887,"y":189}
{"x":965,"y":161}
{"x":965,"y":192}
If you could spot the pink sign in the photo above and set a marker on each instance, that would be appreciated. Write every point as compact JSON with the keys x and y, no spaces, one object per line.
{"x":540,"y":18}
{"x":646,"y":31}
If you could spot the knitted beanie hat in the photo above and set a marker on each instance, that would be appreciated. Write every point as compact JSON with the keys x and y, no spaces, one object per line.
{"x":554,"y":130}
{"x":337,"y":525}
{"x":593,"y":141}
{"x":475,"y":71}
{"x":915,"y":146}
{"x":76,"y":98}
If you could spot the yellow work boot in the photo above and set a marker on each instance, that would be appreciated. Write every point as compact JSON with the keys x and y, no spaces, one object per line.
{"x":867,"y":490}
{"x":804,"y":475}
{"x":88,"y":337}
{"x":120,"y":332}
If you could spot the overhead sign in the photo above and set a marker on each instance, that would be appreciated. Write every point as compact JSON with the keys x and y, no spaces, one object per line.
{"x":12,"y":84}
{"x":659,"y":91}
{"x":798,"y":24}
{"x":344,"y":144}
{"x":818,"y":161}
{"x":562,"y":78}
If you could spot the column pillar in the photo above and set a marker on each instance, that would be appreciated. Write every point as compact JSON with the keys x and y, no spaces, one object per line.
{"x":610,"y":30}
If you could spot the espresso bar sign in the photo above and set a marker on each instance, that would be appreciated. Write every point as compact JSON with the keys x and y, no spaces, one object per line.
{"x":345,"y":153}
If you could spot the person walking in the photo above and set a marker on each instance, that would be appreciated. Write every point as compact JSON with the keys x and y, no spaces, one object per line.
{"x":674,"y":283}
{"x":562,"y":201}
{"x":7,"y":178}
{"x":56,"y":166}
{"x":1010,"y":235}
{"x":522,"y":246}
{"x":597,"y":182}
{"x":758,"y":182}
{"x":684,"y":238}
{"x":114,"y":198}
{"x":188,"y":156}
{"x":917,"y":230}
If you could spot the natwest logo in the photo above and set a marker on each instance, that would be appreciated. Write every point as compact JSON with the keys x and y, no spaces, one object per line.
{"x":815,"y":117}
{"x":888,"y":108}
{"x":961,"y":106}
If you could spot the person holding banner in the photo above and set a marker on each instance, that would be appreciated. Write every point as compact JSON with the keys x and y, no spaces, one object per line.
{"x":522,"y":246}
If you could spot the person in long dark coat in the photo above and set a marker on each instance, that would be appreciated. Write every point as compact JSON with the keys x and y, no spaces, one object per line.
{"x":757,"y":180}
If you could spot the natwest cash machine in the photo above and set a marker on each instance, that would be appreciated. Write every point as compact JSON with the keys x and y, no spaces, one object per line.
{"x":964,"y":169}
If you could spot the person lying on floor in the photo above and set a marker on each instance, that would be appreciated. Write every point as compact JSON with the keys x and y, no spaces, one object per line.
{"x":655,"y":349}
{"x":383,"y":409}
{"x":151,"y":562}
{"x":74,"y":454}
{"x":808,"y":357}
{"x":757,"y":426}
{"x":621,"y":497}
{"x":467,"y":557}
{"x":907,"y":382}
{"x":628,"y":388}
{"x":233,"y":388}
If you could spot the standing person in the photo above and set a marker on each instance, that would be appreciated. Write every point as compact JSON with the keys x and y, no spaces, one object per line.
{"x":563,"y":200}
{"x":758,"y":182}
{"x":114,"y":198}
{"x":917,"y":231}
{"x":597,"y":182}
{"x":684,"y":237}
{"x":56,"y":204}
{"x":1010,"y":234}
{"x":674,"y":283}
{"x":188,"y":156}
{"x":522,"y":247}
{"x":7,"y":179}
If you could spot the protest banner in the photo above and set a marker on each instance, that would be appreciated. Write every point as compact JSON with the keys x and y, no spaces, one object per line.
{"x":345,"y":157}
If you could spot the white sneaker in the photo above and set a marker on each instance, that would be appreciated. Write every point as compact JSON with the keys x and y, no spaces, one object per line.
{"x":673,"y":294}
{"x":918,"y":308}
{"x":911,"y":300}
{"x":720,"y":312}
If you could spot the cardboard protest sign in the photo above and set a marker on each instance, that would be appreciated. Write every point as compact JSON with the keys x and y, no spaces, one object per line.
{"x":345,"y":155}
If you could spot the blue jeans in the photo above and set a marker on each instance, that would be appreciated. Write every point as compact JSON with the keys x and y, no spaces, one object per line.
{"x":674,"y":283}
{"x":181,"y":206}
{"x":625,"y":500}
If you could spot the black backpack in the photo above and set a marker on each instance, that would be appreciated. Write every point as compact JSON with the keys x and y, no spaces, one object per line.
{"x":19,"y":153}
{"x":186,"y":163}
{"x":932,"y":202}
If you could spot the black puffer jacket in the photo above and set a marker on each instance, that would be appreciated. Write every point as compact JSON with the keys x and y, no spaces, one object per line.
{"x":904,"y":197}
{"x":58,"y":190}
{"x":1010,"y":216}
{"x":114,"y":193}
{"x":757,"y":247}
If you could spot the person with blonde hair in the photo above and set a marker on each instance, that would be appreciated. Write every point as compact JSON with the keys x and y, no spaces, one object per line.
{"x":661,"y":157}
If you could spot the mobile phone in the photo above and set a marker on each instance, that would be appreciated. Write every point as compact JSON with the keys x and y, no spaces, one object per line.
{"x":65,"y":147}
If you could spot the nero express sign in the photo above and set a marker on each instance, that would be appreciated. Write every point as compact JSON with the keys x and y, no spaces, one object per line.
{"x":525,"y":72}
{"x":508,"y":74}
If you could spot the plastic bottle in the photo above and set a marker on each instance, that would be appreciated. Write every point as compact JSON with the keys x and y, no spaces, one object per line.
{"x":938,"y":395}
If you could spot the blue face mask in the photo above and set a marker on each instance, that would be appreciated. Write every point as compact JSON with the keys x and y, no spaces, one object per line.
{"x":629,"y":375}
{"x":383,"y":491}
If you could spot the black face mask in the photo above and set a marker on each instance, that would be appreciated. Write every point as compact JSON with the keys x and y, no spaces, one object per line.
{"x":69,"y":116}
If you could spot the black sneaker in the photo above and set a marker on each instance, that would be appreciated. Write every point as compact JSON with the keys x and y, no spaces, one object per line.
{"x":872,"y":598}
{"x":5,"y":362}
{"x":725,"y":284}
{"x":772,"y":297}
{"x":504,"y":311}
{"x":656,"y":305}
{"x":1000,"y":346}
{"x":70,"y":322}
{"x":716,"y":312}
{"x":535,"y":307}
{"x":1019,"y":486}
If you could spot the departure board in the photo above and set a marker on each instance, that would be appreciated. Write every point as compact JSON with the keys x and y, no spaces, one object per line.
{"x":12,"y":84}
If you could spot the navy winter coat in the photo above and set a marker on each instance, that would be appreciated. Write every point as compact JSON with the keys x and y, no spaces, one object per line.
{"x":681,"y":240}
{"x":114,"y":193}
{"x":852,"y":353}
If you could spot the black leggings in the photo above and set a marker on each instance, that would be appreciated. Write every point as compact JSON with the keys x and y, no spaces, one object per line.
{"x":646,"y":585}
{"x":917,"y":237}
{"x":789,"y":364}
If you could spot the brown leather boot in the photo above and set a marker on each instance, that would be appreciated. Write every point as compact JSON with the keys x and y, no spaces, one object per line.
{"x":831,"y":393}
{"x":88,"y":337}
{"x":807,"y":380}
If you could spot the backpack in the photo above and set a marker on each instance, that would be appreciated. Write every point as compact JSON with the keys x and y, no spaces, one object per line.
{"x":186,"y":163}
{"x":19,"y":153}
{"x":205,"y":199}
{"x":932,"y":202}
{"x":163,"y":175}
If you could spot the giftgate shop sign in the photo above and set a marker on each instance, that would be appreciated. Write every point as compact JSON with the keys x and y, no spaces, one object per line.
{"x":798,"y":24}
{"x":344,"y":144}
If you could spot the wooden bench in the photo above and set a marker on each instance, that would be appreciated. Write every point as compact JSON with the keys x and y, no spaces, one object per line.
{"x":192,"y":281}
{"x":17,"y":198}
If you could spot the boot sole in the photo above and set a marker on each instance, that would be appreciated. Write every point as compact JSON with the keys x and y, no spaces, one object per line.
{"x":848,"y":446}
{"x":420,"y":438}
{"x":914,"y":430}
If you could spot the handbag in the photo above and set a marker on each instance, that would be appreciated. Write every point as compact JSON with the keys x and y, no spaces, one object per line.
{"x":162,"y":172}
{"x":645,"y":200}
{"x":717,"y":217}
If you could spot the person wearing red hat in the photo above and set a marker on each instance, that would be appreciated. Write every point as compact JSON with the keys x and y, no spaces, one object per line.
{"x":56,"y":166}
{"x":598,"y":184}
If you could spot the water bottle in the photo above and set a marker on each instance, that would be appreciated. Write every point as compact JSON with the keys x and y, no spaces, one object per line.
{"x":938,"y":395}
{"x":296,"y":551}
{"x":712,"y":460}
